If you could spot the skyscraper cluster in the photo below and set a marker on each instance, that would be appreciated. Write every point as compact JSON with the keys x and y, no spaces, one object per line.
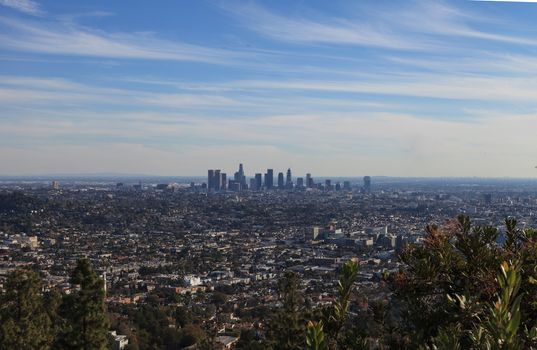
{"x":217,"y":181}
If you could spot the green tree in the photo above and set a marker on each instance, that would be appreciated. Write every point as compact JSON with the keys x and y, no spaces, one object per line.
{"x":52,"y":302}
{"x":500,"y":329}
{"x":339,"y":333}
{"x":86,"y":322}
{"x":287,"y":328}
{"x":450,"y":292}
{"x":193,"y":334}
{"x":336,"y":315}
{"x":24,"y":322}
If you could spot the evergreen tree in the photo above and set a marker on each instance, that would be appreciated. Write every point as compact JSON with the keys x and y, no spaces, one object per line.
{"x":449,"y":291}
{"x":287,"y":329}
{"x":52,"y":301}
{"x":86,"y":322}
{"x":24,"y":322}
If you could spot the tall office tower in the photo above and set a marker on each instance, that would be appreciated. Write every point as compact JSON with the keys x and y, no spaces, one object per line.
{"x":252,"y":184}
{"x":367,"y":184}
{"x":258,"y":182}
{"x":289,"y":179}
{"x":223,"y":183}
{"x":243,"y":177}
{"x":234,"y":186}
{"x":309,"y":181}
{"x":239,"y":177}
{"x":269,"y":179}
{"x":328,"y":185}
{"x":217,"y":180}
{"x":280,"y":181}
{"x":338,"y":186}
{"x":300,"y":182}
{"x":347,"y":185}
{"x":210,"y":179}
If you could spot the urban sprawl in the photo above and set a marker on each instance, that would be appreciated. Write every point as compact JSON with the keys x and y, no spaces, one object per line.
{"x":217,"y":249}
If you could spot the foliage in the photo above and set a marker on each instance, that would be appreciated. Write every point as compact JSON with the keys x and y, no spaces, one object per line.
{"x":447,"y":339}
{"x":24,"y":324}
{"x":287,"y":328}
{"x":251,"y":339}
{"x":336,"y":336}
{"x":500,"y":329}
{"x":451,"y":283}
{"x":86,"y":322}
{"x":315,"y":338}
{"x":338,"y":312}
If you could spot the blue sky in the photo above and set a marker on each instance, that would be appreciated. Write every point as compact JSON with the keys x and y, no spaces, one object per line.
{"x":400,"y":88}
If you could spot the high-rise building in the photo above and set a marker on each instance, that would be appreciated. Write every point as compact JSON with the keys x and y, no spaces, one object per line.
{"x":240,"y":177}
{"x":347,"y":185}
{"x":289,"y":179}
{"x":281,"y":184}
{"x":269,"y":179}
{"x":367,"y":184}
{"x":223,"y":182}
{"x":300,"y":182}
{"x":217,"y":180}
{"x":210,"y":180}
{"x":309,"y":181}
{"x":252,"y":184}
{"x":258,"y":182}
{"x":328,"y":185}
{"x":234,"y":186}
{"x":55,"y":185}
{"x":338,"y":186}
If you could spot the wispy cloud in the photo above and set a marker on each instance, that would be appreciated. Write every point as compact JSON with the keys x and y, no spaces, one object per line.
{"x":416,"y":26}
{"x":439,"y":18}
{"x":323,"y":30}
{"x":457,"y":86}
{"x":70,"y":39}
{"x":460,"y":87}
{"x":26,"y":6}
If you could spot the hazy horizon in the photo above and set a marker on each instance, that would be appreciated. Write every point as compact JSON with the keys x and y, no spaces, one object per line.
{"x":319,"y":177}
{"x":401,"y":88}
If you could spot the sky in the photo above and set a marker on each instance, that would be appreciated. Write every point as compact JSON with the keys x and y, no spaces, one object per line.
{"x":347,"y":88}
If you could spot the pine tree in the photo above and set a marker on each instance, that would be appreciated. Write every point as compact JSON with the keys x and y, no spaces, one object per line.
{"x":287,"y":330}
{"x":86,"y":322}
{"x":52,"y":301}
{"x":24,"y":322}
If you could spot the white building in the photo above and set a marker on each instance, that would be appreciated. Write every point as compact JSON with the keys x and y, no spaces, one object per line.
{"x":192,"y":281}
{"x":120,"y":341}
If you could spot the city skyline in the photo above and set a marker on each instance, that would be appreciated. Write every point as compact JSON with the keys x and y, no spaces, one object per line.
{"x":405,"y":88}
{"x":217,"y":181}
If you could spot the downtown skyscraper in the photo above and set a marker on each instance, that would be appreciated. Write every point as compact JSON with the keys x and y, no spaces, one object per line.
{"x":269,"y":179}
